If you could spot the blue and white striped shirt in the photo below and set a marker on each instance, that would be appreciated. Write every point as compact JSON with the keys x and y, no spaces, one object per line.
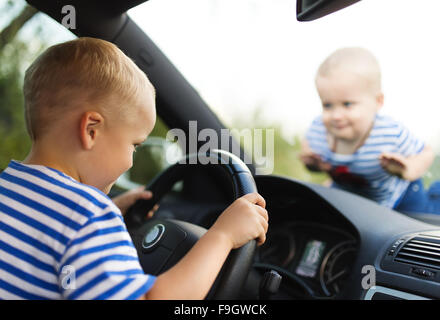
{"x":361,"y":171}
{"x":61,"y":239}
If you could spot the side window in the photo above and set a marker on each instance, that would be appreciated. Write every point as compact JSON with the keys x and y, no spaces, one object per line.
{"x":19,"y":24}
{"x":25,"y":33}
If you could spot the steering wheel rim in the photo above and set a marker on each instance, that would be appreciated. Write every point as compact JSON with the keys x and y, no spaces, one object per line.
{"x":236,"y":267}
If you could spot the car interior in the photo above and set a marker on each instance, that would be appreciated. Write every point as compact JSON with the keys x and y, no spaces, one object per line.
{"x":322,"y":243}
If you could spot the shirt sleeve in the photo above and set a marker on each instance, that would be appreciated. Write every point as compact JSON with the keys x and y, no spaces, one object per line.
{"x":101,"y":262}
{"x":316,"y":136}
{"x":408,"y":144}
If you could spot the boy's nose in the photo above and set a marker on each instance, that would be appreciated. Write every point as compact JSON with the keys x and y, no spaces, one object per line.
{"x":337,"y":114}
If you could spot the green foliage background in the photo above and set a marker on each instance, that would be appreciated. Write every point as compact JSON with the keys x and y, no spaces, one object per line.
{"x":286,"y":149}
{"x":15,"y":142}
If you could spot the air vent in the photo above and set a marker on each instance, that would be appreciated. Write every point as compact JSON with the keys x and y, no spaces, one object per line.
{"x":420,"y":251}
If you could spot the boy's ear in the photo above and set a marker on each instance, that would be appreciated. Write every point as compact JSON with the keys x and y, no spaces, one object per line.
{"x":91,"y":124}
{"x":379,"y":100}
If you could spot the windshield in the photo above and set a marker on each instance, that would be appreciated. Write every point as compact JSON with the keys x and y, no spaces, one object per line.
{"x":255,"y":64}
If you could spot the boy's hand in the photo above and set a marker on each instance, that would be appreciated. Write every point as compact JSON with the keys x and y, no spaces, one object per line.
{"x":128,"y":198}
{"x":395,"y":164}
{"x":314,"y":162}
{"x":244,"y":220}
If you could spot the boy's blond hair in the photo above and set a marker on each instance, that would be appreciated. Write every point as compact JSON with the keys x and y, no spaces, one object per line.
{"x":82,"y":71}
{"x":356,"y":61}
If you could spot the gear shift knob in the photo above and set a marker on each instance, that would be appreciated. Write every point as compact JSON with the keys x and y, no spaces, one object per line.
{"x":269,"y":284}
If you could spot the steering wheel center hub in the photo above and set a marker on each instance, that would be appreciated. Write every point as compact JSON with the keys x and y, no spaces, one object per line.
{"x":153,"y":236}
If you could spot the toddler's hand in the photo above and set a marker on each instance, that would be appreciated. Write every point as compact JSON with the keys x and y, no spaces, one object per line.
{"x":314,"y":162}
{"x":244,"y":220}
{"x":394,"y":163}
{"x":128,"y":198}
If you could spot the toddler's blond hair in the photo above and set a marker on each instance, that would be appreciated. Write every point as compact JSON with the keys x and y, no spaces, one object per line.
{"x":353,"y":60}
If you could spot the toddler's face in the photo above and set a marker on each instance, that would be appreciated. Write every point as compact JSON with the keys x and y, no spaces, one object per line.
{"x":114,"y":154}
{"x":349,"y":105}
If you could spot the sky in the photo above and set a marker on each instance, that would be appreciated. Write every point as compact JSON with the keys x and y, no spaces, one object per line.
{"x":240,"y":55}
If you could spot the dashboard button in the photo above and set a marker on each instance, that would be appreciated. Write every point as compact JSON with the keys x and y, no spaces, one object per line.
{"x":423,"y":272}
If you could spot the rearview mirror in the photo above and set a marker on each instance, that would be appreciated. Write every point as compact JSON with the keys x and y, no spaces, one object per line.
{"x":308,"y":10}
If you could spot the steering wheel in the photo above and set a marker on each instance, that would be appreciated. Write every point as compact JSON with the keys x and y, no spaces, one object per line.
{"x":161,"y":243}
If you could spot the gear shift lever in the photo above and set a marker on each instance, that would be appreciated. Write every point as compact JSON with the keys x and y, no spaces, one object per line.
{"x":269,"y":284}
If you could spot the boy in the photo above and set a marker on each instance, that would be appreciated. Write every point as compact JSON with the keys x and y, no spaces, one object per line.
{"x":87,"y":107}
{"x":362,"y":151}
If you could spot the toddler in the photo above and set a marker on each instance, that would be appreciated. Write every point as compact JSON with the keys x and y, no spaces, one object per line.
{"x":364,"y":152}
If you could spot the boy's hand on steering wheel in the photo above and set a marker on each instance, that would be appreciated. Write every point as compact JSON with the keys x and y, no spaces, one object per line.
{"x":125,"y":200}
{"x":244,"y":220}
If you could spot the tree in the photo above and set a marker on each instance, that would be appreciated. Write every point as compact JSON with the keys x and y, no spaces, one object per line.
{"x":9,"y":33}
{"x":14,"y":141}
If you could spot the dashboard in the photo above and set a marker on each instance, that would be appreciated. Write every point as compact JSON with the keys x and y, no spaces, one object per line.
{"x":320,"y":240}
{"x":314,"y":259}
